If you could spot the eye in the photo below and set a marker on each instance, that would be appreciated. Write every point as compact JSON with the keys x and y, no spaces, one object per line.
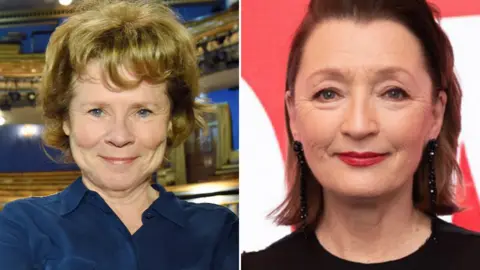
{"x":326,"y":94}
{"x":96,"y":112}
{"x":396,"y":93}
{"x":144,"y":113}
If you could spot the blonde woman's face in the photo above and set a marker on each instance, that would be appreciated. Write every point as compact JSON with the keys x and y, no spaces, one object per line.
{"x":363,"y":108}
{"x":118,"y":138}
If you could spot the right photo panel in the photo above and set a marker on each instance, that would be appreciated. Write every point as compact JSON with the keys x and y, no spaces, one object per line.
{"x":360,"y":134}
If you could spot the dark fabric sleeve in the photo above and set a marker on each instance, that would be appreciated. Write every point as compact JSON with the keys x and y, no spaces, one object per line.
{"x":14,"y":247}
{"x":227,"y":252}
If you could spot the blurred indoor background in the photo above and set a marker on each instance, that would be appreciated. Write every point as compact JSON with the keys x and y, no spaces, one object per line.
{"x":203,"y":169}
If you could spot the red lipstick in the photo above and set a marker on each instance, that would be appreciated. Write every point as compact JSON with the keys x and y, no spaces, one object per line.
{"x":363,"y":159}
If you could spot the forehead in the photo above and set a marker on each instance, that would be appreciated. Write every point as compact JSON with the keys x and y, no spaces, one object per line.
{"x":351,"y":45}
{"x":91,"y":83}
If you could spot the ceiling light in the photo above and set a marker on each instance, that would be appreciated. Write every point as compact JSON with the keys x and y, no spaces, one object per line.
{"x":28,"y":130}
{"x":65,"y":2}
{"x":31,"y":96}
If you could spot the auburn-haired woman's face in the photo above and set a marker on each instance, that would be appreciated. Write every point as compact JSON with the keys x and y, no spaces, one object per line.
{"x":362,"y":107}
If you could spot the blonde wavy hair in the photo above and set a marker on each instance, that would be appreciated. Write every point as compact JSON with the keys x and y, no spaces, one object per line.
{"x":144,"y":37}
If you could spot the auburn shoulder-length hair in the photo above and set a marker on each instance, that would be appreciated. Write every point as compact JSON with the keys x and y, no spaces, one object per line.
{"x":421,"y":20}
{"x":144,"y":37}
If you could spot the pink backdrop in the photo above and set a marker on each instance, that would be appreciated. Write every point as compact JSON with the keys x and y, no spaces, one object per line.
{"x":266,"y":30}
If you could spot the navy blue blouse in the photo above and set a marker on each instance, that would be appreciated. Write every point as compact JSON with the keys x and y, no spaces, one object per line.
{"x":76,"y":230}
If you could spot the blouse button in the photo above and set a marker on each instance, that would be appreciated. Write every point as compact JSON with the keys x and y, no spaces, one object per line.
{"x":148,"y":215}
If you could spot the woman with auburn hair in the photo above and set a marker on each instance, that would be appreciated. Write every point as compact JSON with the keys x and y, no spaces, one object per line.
{"x":373,"y":116}
{"x":118,"y":92}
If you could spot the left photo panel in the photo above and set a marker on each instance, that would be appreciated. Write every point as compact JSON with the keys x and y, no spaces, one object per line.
{"x":119,"y":130}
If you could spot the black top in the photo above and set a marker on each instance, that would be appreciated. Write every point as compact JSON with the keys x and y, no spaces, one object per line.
{"x":454,"y":249}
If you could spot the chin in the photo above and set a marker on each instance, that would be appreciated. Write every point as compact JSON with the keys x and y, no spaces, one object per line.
{"x":373,"y":191}
{"x":118,"y":182}
{"x":363,"y":194}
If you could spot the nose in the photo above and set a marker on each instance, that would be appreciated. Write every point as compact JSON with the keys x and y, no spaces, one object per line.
{"x":360,"y":119}
{"x":120,"y":133}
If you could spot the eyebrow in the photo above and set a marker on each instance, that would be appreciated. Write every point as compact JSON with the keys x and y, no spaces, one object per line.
{"x":347,"y":75}
{"x":93,"y":103}
{"x":331,"y":73}
{"x":389,"y":72}
{"x":147,"y":104}
{"x":156,"y":105}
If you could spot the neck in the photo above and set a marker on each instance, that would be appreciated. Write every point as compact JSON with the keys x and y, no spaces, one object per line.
{"x":129,"y":204}
{"x":372,"y":231}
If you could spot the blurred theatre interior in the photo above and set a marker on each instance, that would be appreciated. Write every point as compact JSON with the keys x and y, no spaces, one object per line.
{"x":203,"y":169}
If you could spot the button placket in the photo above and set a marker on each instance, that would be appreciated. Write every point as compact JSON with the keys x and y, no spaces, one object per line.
{"x":149,"y":215}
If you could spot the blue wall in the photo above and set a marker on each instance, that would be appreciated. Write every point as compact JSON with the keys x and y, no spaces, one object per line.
{"x":231,"y":97}
{"x":25,"y":154}
{"x":33,"y":42}
{"x":190,"y":12}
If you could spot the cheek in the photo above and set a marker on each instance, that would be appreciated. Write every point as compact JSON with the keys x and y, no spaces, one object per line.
{"x":87,"y":134}
{"x":317,"y":128}
{"x":153,"y":134}
{"x":405,"y":128}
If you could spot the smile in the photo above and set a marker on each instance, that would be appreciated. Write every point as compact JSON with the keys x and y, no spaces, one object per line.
{"x":119,"y":161}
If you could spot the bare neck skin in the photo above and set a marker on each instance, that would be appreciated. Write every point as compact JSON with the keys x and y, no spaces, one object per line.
{"x":130,"y":204}
{"x":373,"y":231}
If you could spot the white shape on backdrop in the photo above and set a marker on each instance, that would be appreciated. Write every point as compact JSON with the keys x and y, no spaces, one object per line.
{"x":262,"y":186}
{"x":464,"y":33}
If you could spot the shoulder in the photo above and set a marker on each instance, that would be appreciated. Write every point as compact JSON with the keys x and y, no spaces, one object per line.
{"x":21,"y":219}
{"x":208,"y":209}
{"x":456,"y":233}
{"x":213,"y":229}
{"x":281,"y":254}
{"x":207,"y":221}
{"x":207,"y":213}
{"x":27,"y":208}
{"x":460,"y":245}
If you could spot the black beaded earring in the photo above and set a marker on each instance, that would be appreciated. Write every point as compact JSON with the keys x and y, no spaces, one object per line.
{"x":298,"y":148}
{"x":432,"y":183}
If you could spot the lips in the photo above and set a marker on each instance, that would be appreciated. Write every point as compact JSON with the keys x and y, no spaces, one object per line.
{"x":119,"y":160}
{"x":363,"y":159}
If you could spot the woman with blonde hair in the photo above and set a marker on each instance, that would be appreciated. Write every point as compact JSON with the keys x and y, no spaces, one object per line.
{"x":118,"y":92}
{"x":373,"y":116}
